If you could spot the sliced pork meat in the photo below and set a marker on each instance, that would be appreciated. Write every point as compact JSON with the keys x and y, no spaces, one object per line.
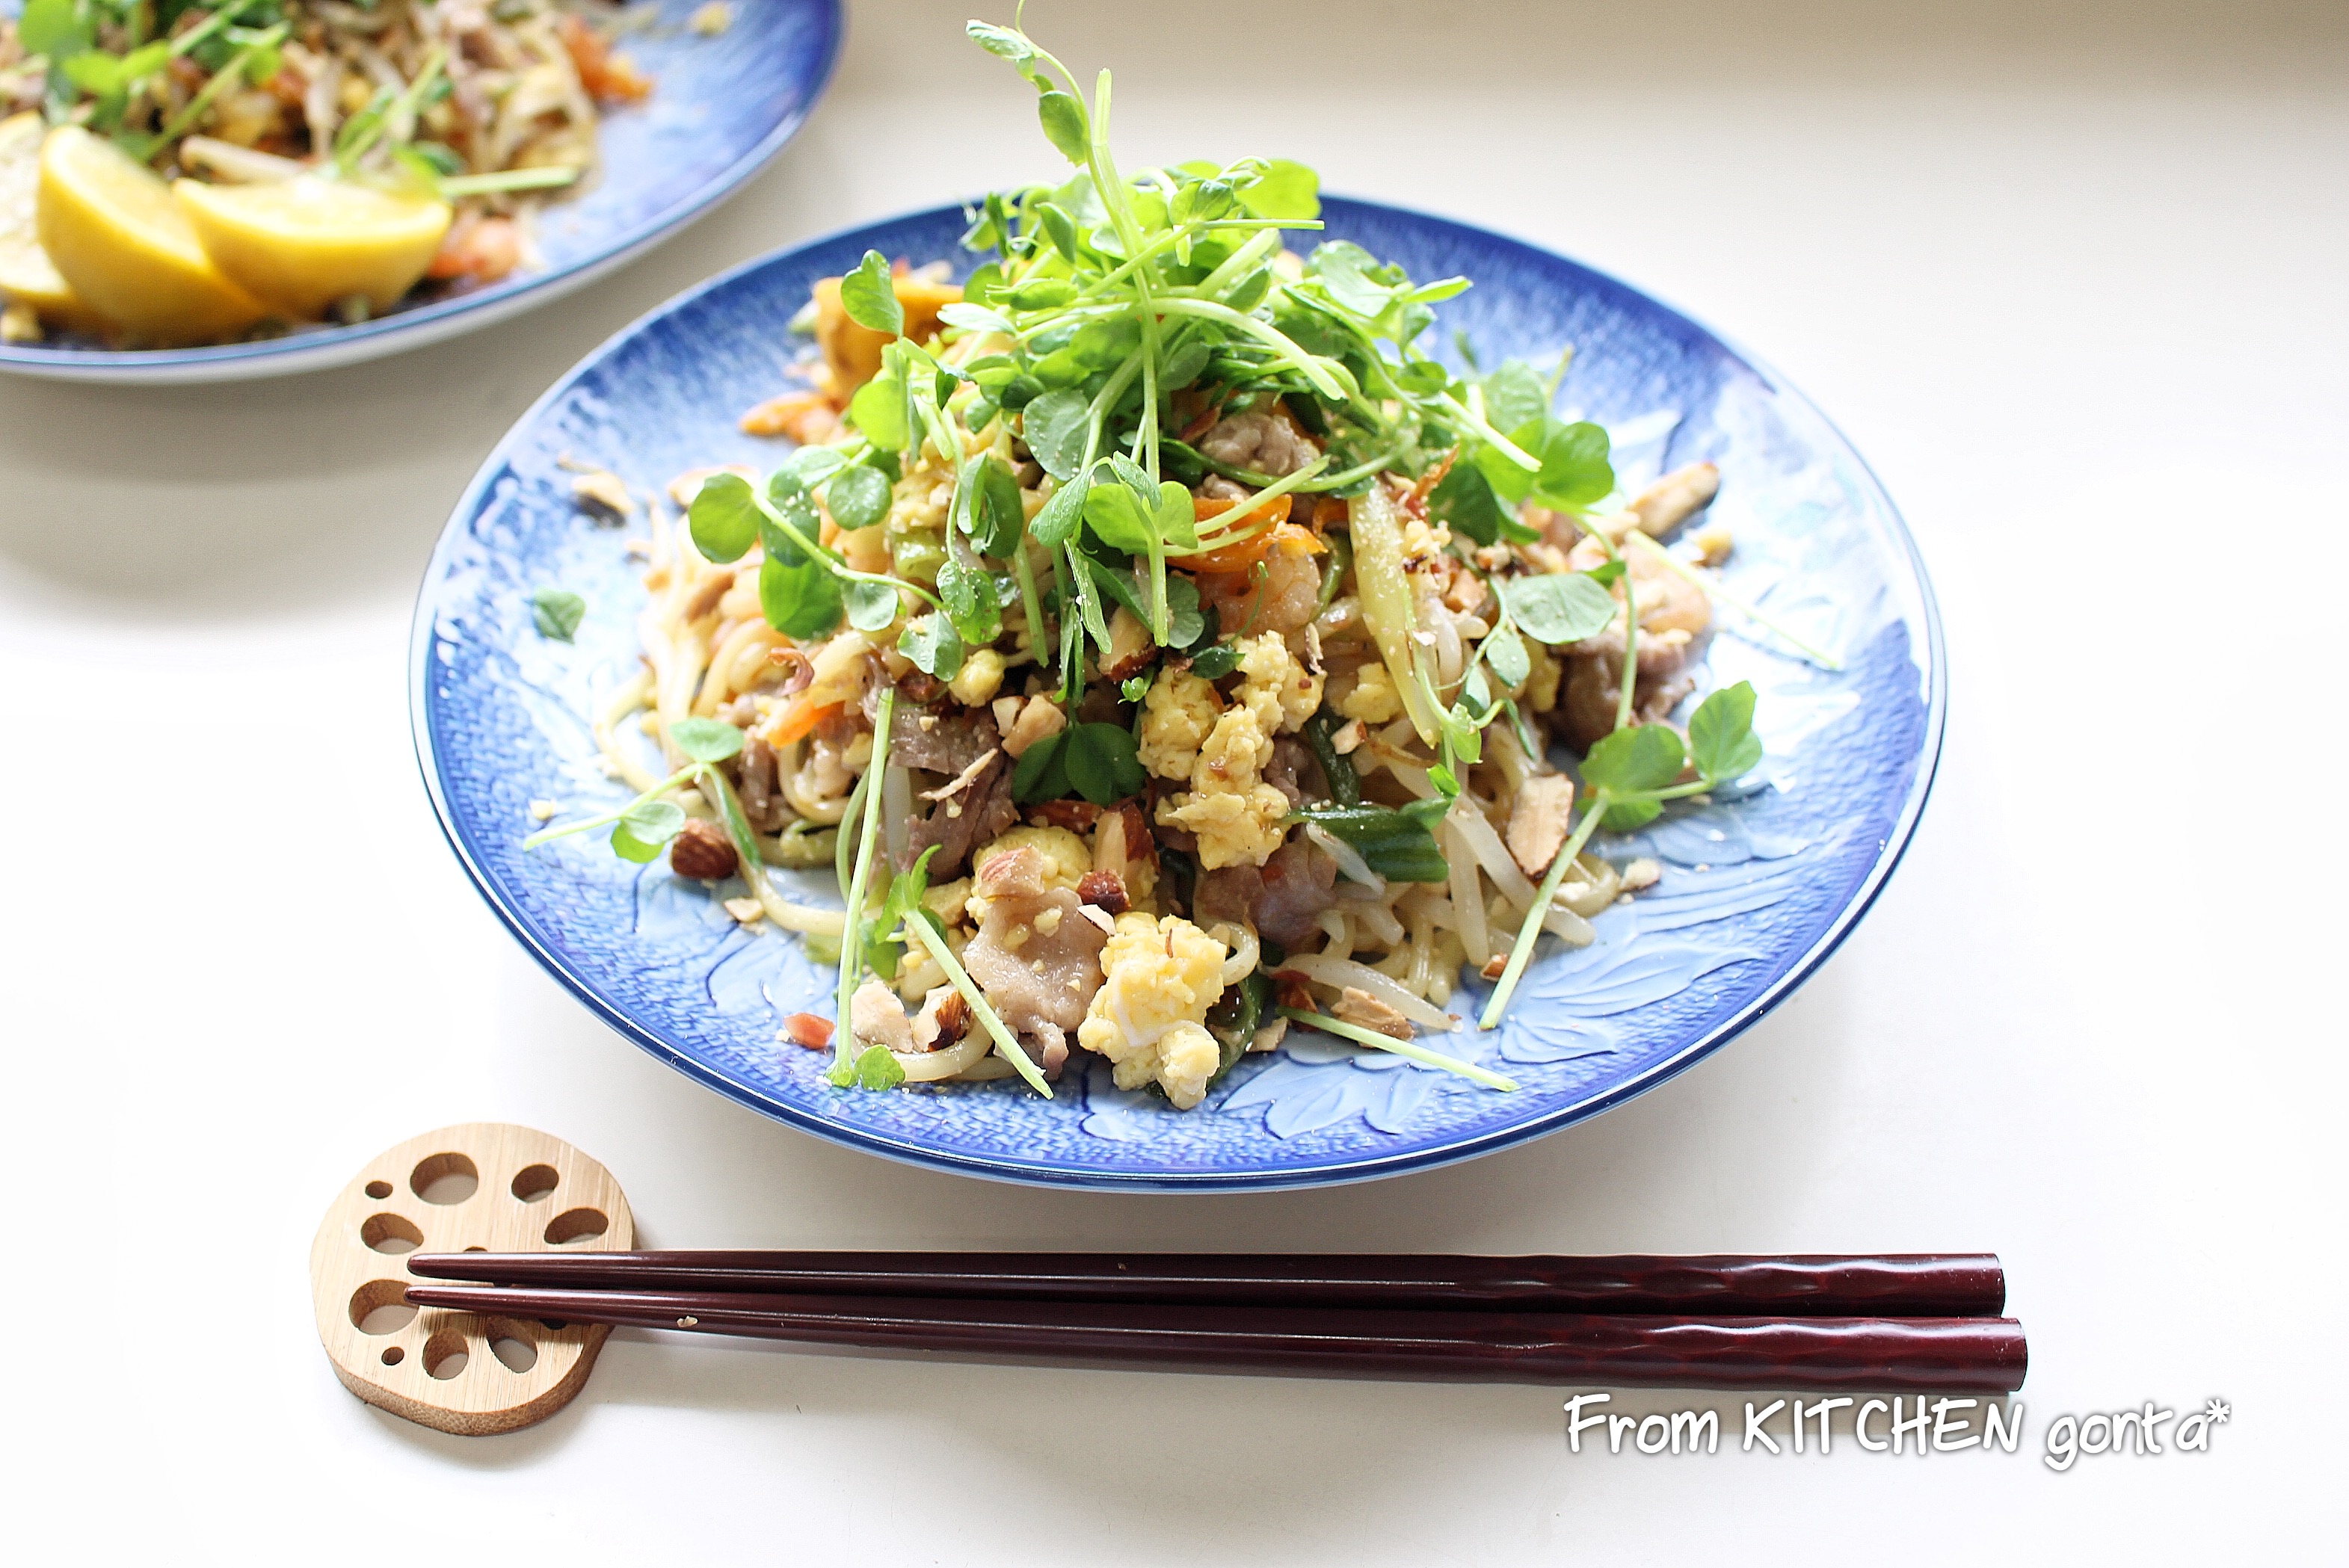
{"x":754,"y":780}
{"x":1281,"y":899}
{"x":974,"y":814}
{"x":1038,"y":959}
{"x":943,"y":739}
{"x":1295,"y":772}
{"x":1591,"y":694}
{"x":1266,"y":442}
{"x":877,"y":1018}
{"x":1676,"y":622}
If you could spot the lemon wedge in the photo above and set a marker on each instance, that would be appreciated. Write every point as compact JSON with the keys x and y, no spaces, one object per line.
{"x":303,"y":245}
{"x":27,"y":274}
{"x":111,"y":227}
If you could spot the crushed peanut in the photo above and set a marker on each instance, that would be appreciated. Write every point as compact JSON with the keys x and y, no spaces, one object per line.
{"x":543,"y":810}
{"x":745,"y":909}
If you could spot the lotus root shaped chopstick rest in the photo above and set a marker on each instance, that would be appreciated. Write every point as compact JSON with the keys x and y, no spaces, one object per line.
{"x":482,"y":1186}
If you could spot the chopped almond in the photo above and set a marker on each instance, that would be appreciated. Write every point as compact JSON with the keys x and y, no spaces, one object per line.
{"x":808,"y":1030}
{"x":1538,"y":822}
{"x":1674,"y":499}
{"x":1356,"y":1006}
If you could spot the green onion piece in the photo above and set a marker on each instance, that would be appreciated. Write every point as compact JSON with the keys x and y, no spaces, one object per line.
{"x":852,"y":945}
{"x":1371,"y":1037}
{"x":542,"y":178}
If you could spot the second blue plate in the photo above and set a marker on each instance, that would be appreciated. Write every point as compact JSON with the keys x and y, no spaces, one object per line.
{"x":720,"y":108}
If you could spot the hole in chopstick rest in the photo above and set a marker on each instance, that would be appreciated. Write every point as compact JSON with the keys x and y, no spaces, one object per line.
{"x":444,"y":1355}
{"x":391,"y":1233}
{"x":534,"y":1182}
{"x":378,"y":1190}
{"x":515,"y":1354}
{"x":554,"y":1323}
{"x":445,"y":1179}
{"x":576,"y":1225}
{"x":380,"y":1306}
{"x":393,"y":1354}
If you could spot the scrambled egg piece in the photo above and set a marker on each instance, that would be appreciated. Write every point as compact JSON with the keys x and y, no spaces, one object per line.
{"x":1177,"y":714}
{"x":1541,"y":682}
{"x":1374,"y":699}
{"x":1149,"y":1018}
{"x":1065,"y":861}
{"x":980,"y":677}
{"x":1236,"y":815}
{"x":1273,"y":684}
{"x":1423,"y":542}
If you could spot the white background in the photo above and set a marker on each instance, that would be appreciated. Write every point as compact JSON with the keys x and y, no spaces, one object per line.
{"x":2070,"y":276}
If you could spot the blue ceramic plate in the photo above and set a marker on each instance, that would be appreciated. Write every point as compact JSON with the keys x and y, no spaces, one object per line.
{"x":1756,"y":891}
{"x":721,"y":108}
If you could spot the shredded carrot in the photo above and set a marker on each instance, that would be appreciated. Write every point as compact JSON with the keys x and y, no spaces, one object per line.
{"x":1435,"y":476}
{"x":801,"y":717}
{"x":1208,"y":508}
{"x":1286,"y":537}
{"x":608,"y":77}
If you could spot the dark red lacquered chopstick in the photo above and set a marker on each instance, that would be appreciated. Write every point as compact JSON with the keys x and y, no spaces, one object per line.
{"x":1937,"y":1353}
{"x":1891,"y":1285}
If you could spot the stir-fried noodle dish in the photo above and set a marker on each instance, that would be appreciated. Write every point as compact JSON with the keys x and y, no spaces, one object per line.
{"x":1162,"y":648}
{"x":186,"y":171}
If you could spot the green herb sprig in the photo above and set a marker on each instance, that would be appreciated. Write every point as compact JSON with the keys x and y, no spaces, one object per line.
{"x":1633,"y":772}
{"x":643,"y":826}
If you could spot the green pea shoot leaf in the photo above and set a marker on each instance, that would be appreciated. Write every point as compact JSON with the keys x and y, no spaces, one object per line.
{"x":1558,"y":607}
{"x":706,"y":740}
{"x":556,"y":612}
{"x":1722,"y":742}
{"x":870,"y":297}
{"x":724,"y":518}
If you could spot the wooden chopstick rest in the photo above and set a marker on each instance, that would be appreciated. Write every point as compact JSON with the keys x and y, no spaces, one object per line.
{"x":456,"y":1371}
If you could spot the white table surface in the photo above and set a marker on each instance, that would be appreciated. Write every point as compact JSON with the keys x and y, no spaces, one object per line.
{"x":2071,"y":277}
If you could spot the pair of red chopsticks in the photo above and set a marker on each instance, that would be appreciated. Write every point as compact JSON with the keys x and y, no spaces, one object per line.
{"x":1910,"y":1321}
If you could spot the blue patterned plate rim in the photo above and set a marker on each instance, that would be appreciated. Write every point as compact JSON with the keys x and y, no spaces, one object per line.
{"x":442,"y":318}
{"x":1891,"y":849}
